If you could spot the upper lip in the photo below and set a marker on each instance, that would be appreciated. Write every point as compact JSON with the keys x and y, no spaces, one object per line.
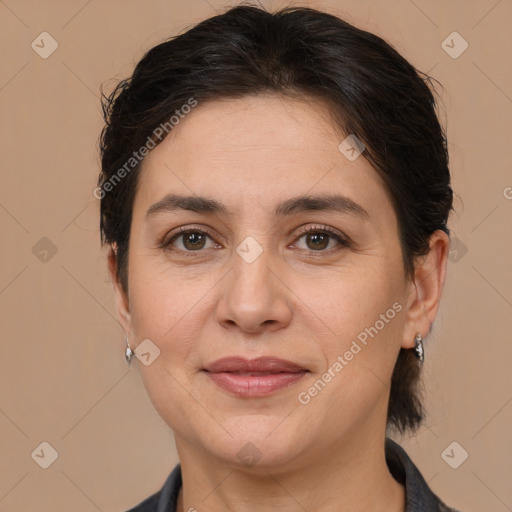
{"x":260,"y":364}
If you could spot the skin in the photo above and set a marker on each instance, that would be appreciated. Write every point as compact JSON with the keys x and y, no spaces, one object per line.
{"x":251,"y":154}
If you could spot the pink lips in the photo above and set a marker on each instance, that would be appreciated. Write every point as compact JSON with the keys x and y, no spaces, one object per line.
{"x":254,"y":378}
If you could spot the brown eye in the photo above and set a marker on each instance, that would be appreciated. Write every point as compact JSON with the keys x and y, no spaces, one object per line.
{"x":321,"y":239}
{"x":317,"y":241}
{"x":193,"y":240}
{"x":188,"y":241}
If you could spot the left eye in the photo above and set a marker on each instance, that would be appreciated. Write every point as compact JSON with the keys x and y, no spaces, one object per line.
{"x":320,"y":239}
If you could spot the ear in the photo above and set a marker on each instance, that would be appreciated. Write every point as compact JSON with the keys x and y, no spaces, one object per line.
{"x":122,"y":303}
{"x":424,"y":293}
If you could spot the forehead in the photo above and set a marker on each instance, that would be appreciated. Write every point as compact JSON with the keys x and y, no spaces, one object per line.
{"x":257,"y":149}
{"x":256,"y":123}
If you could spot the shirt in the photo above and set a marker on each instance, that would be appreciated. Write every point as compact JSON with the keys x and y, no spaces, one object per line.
{"x":418,"y":496}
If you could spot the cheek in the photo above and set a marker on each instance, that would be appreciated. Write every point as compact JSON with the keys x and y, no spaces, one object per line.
{"x":172,"y":312}
{"x":345,"y":303}
{"x":159,"y":301}
{"x":361,"y":315}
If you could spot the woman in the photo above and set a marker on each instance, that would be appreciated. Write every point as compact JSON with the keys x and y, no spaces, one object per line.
{"x":274,"y":194}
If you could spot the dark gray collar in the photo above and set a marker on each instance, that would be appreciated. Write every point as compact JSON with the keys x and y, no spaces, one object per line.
{"x":418,"y":496}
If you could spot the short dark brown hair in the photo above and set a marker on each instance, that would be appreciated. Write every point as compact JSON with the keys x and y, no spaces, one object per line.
{"x":372,"y":91}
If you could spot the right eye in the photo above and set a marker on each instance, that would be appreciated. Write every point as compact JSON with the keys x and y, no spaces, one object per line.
{"x":189,"y":240}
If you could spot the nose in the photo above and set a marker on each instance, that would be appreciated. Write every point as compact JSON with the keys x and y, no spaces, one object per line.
{"x":254,"y":297}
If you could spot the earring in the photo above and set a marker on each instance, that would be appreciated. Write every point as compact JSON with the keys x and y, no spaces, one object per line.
{"x":418,"y":348}
{"x":128,"y":354}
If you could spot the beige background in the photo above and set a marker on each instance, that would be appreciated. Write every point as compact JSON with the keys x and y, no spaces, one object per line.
{"x":63,"y":378}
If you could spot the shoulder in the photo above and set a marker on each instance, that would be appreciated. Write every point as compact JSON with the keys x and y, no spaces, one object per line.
{"x":165,"y":499}
{"x":419,"y":497}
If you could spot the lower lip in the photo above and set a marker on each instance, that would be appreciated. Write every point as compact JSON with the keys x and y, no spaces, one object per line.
{"x":254,"y":385}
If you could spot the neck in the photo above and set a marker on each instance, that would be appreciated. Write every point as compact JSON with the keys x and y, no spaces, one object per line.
{"x":351,"y":476}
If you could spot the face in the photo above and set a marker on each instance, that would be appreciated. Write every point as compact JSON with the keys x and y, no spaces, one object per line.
{"x":246,"y":269}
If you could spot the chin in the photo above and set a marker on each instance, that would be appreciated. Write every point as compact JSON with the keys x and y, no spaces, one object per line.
{"x":259,"y":442}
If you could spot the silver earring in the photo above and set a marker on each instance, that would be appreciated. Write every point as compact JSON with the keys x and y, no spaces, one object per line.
{"x":128,"y":354}
{"x":418,"y":348}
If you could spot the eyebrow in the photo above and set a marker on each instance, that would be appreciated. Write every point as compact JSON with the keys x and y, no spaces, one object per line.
{"x":326,"y":202}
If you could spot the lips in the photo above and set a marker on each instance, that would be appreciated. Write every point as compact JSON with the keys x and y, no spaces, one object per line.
{"x":254,"y":378}
{"x":260,"y":366}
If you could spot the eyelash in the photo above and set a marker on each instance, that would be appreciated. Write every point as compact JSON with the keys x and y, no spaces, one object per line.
{"x":319,"y":229}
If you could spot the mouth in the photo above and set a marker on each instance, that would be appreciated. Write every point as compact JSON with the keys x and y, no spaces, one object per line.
{"x":255,"y":374}
{"x":260,"y":365}
{"x":254,"y":378}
